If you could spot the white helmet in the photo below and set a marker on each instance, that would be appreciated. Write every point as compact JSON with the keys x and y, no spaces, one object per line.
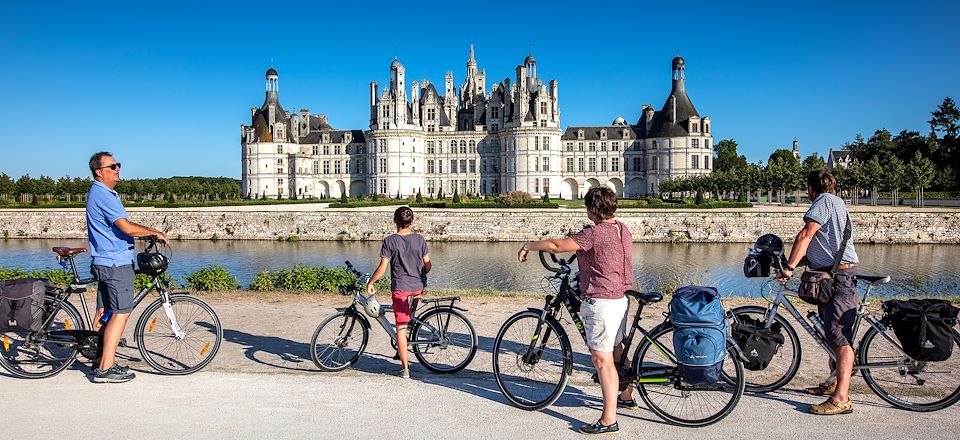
{"x":372,"y":306}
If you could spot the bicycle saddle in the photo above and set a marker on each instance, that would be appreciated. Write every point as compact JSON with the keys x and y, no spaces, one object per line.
{"x":873,"y":279}
{"x":645,"y":297}
{"x":66,"y":252}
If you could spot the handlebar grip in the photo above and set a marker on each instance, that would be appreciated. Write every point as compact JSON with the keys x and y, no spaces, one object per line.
{"x":543,"y":261}
{"x":87,"y":281}
{"x":150,"y":238}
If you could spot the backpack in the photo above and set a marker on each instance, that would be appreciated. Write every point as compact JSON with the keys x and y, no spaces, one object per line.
{"x":924,"y":327}
{"x":21,"y":304}
{"x":757,"y":343}
{"x":699,"y":334}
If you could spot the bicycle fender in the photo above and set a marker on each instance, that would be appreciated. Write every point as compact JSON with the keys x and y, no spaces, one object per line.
{"x":352,"y":311}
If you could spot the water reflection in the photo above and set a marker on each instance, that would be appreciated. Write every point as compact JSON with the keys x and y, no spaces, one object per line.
{"x":916,"y":269}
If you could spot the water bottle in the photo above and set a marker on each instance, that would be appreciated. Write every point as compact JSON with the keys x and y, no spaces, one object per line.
{"x":814,"y":319}
{"x":105,"y":318}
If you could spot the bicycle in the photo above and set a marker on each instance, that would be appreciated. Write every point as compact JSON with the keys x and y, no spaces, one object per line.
{"x":177,"y":334}
{"x":887,"y":369}
{"x":533,"y":358}
{"x":441,"y":337}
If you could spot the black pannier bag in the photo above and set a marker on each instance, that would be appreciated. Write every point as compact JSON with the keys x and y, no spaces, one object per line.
{"x":758,"y":344}
{"x":757,"y":266}
{"x":924,"y":327}
{"x":21,"y":304}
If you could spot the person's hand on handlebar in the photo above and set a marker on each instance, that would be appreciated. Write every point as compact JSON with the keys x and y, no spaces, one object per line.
{"x":553,"y":246}
{"x":522,"y":255}
{"x":784,"y":276}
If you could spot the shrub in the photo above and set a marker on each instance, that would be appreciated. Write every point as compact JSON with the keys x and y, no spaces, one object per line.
{"x":303,"y":277}
{"x":211,"y":278}
{"x":516,"y":198}
{"x":58,"y":277}
{"x":420,"y":197}
{"x":456,"y":196}
{"x":142,"y":281}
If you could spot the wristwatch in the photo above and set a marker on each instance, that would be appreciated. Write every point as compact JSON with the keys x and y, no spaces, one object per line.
{"x":788,"y":267}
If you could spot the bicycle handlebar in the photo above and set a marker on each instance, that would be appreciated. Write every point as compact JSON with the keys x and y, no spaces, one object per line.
{"x":564,"y":265}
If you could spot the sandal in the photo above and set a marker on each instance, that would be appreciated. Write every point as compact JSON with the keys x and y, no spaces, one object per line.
{"x":821,"y":390}
{"x":832,"y":406}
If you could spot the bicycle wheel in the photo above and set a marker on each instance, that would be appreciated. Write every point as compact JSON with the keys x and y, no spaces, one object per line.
{"x":338,"y":341}
{"x":785,"y":362}
{"x":35,"y":355}
{"x":535,"y":382}
{"x":907,"y":383}
{"x":187,"y":353}
{"x":660,"y":386}
{"x":453,"y":341}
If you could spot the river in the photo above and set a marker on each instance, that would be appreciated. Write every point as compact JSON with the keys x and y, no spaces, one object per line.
{"x":917,"y":270}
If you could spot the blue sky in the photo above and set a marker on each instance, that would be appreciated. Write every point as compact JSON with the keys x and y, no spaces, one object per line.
{"x":166,"y":86}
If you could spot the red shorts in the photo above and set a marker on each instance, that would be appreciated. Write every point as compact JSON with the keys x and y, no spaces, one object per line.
{"x":401,"y":304}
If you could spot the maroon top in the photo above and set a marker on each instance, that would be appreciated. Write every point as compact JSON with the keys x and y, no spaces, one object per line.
{"x":605,"y":261}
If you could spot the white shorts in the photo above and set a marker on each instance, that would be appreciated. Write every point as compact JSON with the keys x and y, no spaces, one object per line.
{"x":604,"y":321}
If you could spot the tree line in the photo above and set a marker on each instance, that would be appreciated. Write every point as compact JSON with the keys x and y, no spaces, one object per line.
{"x":167,"y":187}
{"x":882,"y":162}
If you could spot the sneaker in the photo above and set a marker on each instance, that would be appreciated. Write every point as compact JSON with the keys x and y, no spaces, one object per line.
{"x":114,"y":374}
{"x":629,"y":404}
{"x":600,"y":428}
{"x":405,"y":373}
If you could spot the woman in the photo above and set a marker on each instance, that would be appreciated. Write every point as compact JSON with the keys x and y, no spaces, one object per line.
{"x":605,"y":260}
{"x":408,"y":258}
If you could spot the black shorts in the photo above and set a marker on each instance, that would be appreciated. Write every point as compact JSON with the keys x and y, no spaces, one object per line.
{"x":841,"y":312}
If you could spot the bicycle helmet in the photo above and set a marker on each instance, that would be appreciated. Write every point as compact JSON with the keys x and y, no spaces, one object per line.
{"x":152,"y":263}
{"x":372,"y":307}
{"x":769,"y":243}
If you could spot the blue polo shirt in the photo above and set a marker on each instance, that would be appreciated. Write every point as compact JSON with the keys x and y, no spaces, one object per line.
{"x":109,"y":246}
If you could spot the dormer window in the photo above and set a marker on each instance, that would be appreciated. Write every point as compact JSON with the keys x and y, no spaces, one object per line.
{"x":347,"y":137}
{"x":626,"y":134}
{"x":695,"y":127}
{"x":603,"y":133}
{"x":580,"y":136}
{"x":707,"y":128}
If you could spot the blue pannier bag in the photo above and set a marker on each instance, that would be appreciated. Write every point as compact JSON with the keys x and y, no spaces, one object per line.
{"x":699,"y":334}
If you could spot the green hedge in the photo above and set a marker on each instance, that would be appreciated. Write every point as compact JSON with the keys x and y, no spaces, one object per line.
{"x":369,"y":203}
{"x":59,"y":277}
{"x":212,"y":278}
{"x":303,"y":277}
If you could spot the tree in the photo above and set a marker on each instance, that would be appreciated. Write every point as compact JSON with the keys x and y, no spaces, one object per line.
{"x":343,"y":197}
{"x":456,"y":196}
{"x":7,"y":186}
{"x":727,"y":158}
{"x":781,"y":154}
{"x":26,"y":185}
{"x":945,"y":131}
{"x":920,"y":173}
{"x":419,"y":196}
{"x":873,"y":175}
{"x":894,"y":177}
{"x":813,"y":162}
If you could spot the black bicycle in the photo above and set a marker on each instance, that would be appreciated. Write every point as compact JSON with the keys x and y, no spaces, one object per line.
{"x":177,"y":334}
{"x":533,"y":358}
{"x":441,"y":337}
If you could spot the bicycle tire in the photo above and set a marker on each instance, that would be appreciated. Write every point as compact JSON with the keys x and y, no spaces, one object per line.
{"x":883,"y":386}
{"x":349,"y":324}
{"x":647,"y":389}
{"x":421,"y":352}
{"x":757,"y":381}
{"x":513,"y":352}
{"x":12,"y":341}
{"x":190,"y":354}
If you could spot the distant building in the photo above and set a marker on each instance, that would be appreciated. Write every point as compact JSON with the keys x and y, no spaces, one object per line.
{"x":839,"y":158}
{"x":796,"y":149}
{"x":471,"y":141}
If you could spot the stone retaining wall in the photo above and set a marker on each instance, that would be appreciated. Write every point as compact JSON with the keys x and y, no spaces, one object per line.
{"x":484,"y":225}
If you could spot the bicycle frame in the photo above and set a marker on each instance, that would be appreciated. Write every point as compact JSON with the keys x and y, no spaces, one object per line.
{"x":862,"y":315}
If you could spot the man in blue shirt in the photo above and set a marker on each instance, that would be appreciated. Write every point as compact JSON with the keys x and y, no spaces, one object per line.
{"x":111,"y":236}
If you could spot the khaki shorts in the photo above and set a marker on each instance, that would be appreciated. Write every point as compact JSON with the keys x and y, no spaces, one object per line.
{"x":604,"y":321}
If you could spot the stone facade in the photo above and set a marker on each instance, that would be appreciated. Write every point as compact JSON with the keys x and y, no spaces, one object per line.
{"x":484,"y":225}
{"x":471,"y":141}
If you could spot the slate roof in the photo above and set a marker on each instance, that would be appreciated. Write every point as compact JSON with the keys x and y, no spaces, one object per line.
{"x":614,"y":133}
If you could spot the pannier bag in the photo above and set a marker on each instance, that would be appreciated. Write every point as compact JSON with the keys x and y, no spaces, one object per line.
{"x":816,"y":287}
{"x":757,"y":265}
{"x":21,"y":304}
{"x":924,"y":327}
{"x":757,"y":343}
{"x":699,"y":334}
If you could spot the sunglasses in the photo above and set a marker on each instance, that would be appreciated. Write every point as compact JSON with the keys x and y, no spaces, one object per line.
{"x":113,"y":166}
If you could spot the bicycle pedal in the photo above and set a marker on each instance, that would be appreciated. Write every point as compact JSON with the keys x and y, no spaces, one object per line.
{"x":123,"y":343}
